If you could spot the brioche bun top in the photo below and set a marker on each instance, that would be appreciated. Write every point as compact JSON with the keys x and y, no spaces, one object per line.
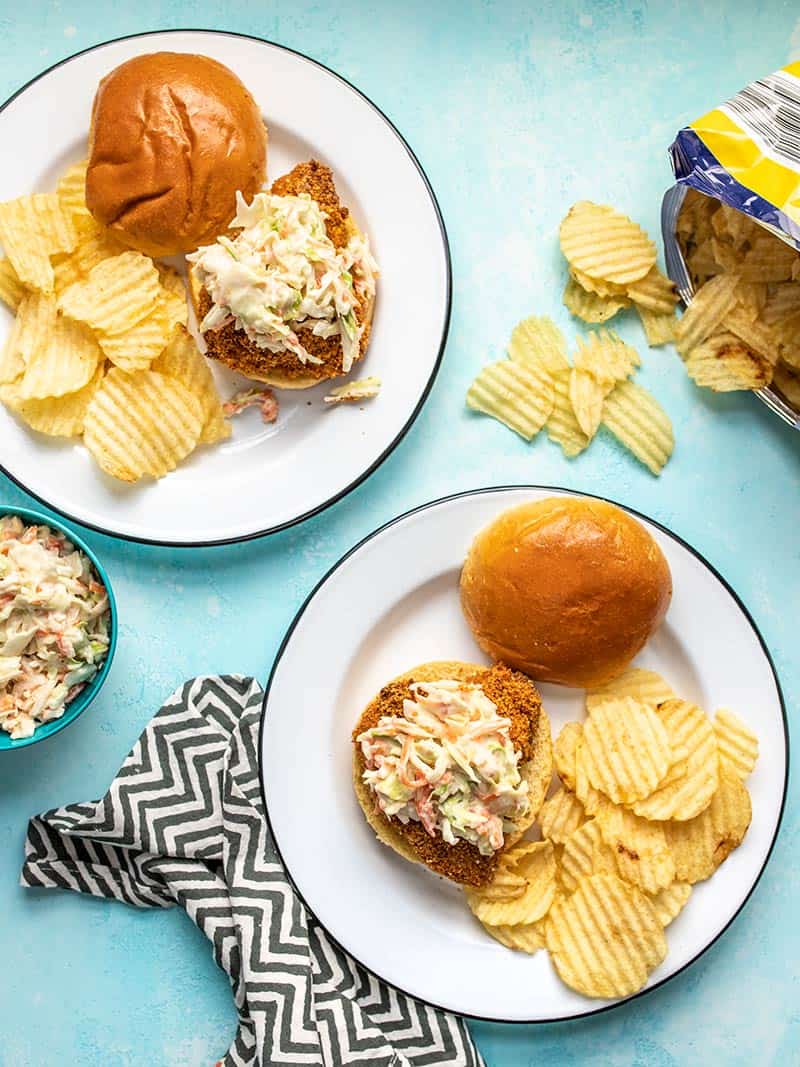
{"x":565,"y":589}
{"x":173,"y":137}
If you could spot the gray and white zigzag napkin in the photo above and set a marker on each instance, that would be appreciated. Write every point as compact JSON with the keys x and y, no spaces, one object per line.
{"x":183,"y":823}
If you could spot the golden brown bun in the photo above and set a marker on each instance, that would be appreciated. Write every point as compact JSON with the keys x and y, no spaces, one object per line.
{"x":283,"y":369}
{"x":173,"y":137}
{"x":518,"y":700}
{"x":565,"y":589}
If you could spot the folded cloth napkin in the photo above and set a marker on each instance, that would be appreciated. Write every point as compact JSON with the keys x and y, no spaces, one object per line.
{"x":183,"y":823}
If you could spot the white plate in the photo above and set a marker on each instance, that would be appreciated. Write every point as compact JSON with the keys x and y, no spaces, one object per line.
{"x":264,"y":478}
{"x":392,"y":603}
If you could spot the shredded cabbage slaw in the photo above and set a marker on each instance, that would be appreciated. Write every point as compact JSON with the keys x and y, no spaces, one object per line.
{"x":447,"y":762}
{"x":281,"y":272}
{"x":54,"y":623}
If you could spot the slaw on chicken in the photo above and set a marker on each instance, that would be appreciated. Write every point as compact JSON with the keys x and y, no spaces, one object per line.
{"x":281,"y":272}
{"x":54,"y":624}
{"x":447,"y":762}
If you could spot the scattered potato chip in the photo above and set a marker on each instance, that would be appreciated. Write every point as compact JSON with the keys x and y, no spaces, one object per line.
{"x":562,"y":426}
{"x":607,"y":357}
{"x":65,"y":362}
{"x":701,"y":844}
{"x":560,"y":816}
{"x":640,"y":848}
{"x":57,"y":416}
{"x":638,"y":421}
{"x":605,"y":939}
{"x":173,"y":296}
{"x":183,"y":360}
{"x":737,"y":745}
{"x":669,"y":902}
{"x":538,"y":344}
{"x":625,"y":749}
{"x":591,"y":798}
{"x":585,"y":853}
{"x":95,"y":245}
{"x":688,"y":729}
{"x":564,"y":752}
{"x":655,"y":291}
{"x":32,"y":228}
{"x":540,"y":873}
{"x":590,"y":306}
{"x":604,"y":243}
{"x":527,"y":937}
{"x":724,"y":364}
{"x":586,"y":395}
{"x":141,"y":424}
{"x":35,"y":320}
{"x":519,"y":396}
{"x":136,"y":348}
{"x":708,"y":308}
{"x":11,"y":288}
{"x":648,"y":687}
{"x":353,"y":391}
{"x":507,"y":884}
{"x":117,"y":294}
{"x":756,"y":335}
{"x":658,"y":329}
{"x":599,"y":286}
{"x":71,"y":189}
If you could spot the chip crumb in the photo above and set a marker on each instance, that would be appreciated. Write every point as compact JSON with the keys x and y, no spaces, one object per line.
{"x":360,"y":389}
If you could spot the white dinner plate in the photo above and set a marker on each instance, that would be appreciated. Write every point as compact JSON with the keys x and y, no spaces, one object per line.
{"x":265,"y":477}
{"x":393,"y":602}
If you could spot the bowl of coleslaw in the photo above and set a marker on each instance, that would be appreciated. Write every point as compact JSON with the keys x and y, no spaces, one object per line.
{"x":58,"y":626}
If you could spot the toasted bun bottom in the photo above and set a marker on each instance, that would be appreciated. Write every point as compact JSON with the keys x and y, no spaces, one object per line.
{"x":537,"y":772}
{"x":277,"y":378}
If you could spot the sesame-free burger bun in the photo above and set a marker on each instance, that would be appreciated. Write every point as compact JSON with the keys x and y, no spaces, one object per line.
{"x":516,"y":698}
{"x":173,"y":137}
{"x":566,"y":589}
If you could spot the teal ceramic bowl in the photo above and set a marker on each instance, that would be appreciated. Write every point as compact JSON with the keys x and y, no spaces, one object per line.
{"x":82,"y":701}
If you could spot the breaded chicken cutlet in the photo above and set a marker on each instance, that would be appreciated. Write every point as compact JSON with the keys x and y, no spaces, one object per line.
{"x":516,"y":700}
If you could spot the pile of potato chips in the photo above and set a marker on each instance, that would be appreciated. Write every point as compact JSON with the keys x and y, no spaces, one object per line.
{"x":650,"y":801}
{"x":539,"y":388}
{"x":612,"y":264}
{"x":99,"y":348}
{"x":742,"y":328}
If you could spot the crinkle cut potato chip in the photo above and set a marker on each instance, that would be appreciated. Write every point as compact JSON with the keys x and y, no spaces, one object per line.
{"x":537,"y":343}
{"x":35,"y":320}
{"x":525,"y":937}
{"x":507,"y":884}
{"x":655,"y":291}
{"x":586,"y":395}
{"x":589,"y":306}
{"x":71,"y":189}
{"x":136,"y":348}
{"x":585,"y":853}
{"x":788,"y":383}
{"x":560,"y":816}
{"x":141,"y":424}
{"x":708,"y":308}
{"x":701,"y":844}
{"x":625,"y":750}
{"x":646,"y":686}
{"x":724,"y":364}
{"x":658,"y":329}
{"x":759,"y":337}
{"x":11,"y":288}
{"x":564,"y":751}
{"x":669,"y":902}
{"x":95,"y":245}
{"x":689,"y":730}
{"x":605,"y":938}
{"x":640,"y":848}
{"x":521,"y":396}
{"x":598,"y":286}
{"x":607,"y":357}
{"x":638,"y":421}
{"x":562,"y":426}
{"x":538,"y":865}
{"x":117,"y":294}
{"x":183,"y":360}
{"x":737,"y":745}
{"x":604,"y":243}
{"x":64,"y":362}
{"x":56,"y":416}
{"x":32,"y":228}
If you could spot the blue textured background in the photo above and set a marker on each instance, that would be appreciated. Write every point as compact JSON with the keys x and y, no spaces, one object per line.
{"x":514,"y":113}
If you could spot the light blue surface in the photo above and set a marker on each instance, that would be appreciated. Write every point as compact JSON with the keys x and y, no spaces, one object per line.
{"x":515,"y":113}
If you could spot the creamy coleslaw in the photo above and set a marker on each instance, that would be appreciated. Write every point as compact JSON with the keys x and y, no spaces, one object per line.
{"x":54,"y":624}
{"x":281,"y":272}
{"x":447,"y":762}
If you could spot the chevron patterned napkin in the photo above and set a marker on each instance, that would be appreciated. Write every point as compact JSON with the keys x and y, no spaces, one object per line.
{"x":183,"y":823}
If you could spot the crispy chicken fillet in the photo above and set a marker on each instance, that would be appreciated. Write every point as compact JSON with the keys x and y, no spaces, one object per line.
{"x":517,"y":699}
{"x":233,"y":347}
